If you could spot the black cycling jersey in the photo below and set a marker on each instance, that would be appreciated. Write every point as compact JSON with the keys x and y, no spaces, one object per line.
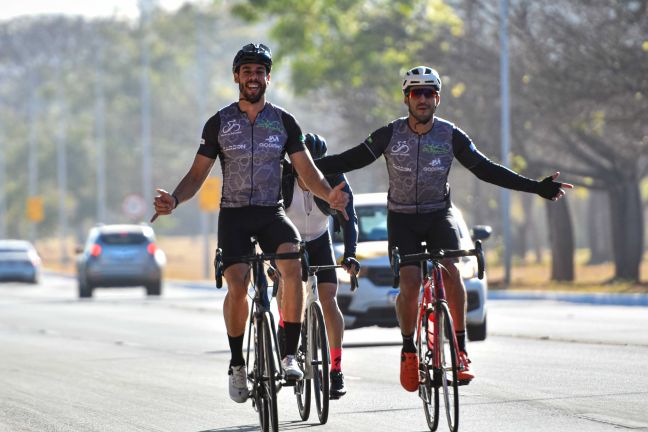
{"x":251,"y":154}
{"x":418,"y":165}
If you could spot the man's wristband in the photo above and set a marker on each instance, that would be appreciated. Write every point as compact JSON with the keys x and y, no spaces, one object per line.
{"x":177,"y":201}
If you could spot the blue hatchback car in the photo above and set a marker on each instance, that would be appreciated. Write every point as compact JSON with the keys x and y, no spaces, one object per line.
{"x":120,"y":256}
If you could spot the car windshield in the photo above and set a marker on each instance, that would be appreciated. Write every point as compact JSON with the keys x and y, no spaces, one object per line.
{"x":372,"y":224}
{"x":13,"y":249}
{"x":124,"y":238}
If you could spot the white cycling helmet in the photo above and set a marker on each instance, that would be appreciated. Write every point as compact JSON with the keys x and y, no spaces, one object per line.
{"x":421,"y":76}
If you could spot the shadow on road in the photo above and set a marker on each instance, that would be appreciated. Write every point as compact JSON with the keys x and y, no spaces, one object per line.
{"x":285,"y":425}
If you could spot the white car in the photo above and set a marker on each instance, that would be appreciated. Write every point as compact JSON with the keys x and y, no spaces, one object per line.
{"x":374,"y":301}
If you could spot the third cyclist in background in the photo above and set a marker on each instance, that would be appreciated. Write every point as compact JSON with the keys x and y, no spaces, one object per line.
{"x":310,"y":215}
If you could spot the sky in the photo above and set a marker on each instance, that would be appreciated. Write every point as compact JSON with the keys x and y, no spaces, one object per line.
{"x":88,"y":8}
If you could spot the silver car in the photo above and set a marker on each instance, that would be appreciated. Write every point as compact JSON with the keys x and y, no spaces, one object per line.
{"x":373,"y":302}
{"x":19,"y":261}
{"x":120,"y":256}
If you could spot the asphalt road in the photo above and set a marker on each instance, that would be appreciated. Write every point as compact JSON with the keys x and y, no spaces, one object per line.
{"x":121,"y":362}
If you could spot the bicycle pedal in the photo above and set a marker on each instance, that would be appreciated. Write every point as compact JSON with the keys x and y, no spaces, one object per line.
{"x":288,"y":383}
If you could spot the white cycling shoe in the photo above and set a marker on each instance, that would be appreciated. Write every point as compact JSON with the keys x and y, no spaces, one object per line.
{"x":238,"y":388}
{"x":291,"y":368}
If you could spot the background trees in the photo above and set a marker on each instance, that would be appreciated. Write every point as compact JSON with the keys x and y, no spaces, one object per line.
{"x":579,"y":83}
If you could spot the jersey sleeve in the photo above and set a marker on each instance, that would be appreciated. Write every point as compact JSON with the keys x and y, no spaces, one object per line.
{"x":464,"y":149}
{"x":295,"y":141}
{"x":485,"y":169}
{"x":359,"y":156}
{"x":209,"y":145}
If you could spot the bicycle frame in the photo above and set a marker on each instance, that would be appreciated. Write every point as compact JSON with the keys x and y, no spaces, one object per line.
{"x":265,"y":373}
{"x":439,"y":362}
{"x":433,"y":295}
{"x":312,"y":296}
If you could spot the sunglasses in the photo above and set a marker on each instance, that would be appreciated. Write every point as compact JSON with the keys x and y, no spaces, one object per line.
{"x":418,"y":92}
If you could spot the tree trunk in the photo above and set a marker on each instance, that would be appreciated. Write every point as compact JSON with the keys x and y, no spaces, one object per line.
{"x":627,"y":229}
{"x":598,"y":228}
{"x":561,"y":239}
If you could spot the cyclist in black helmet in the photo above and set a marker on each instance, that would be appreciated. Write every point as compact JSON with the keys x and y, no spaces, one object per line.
{"x":311,"y":217}
{"x":419,"y":150}
{"x":251,"y":138}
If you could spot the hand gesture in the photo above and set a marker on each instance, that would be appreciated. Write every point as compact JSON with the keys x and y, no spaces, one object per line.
{"x":338,"y":199}
{"x":164,"y":204}
{"x":551,"y":189}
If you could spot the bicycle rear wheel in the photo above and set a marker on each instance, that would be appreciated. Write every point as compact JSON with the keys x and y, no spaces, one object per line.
{"x":428,"y":392}
{"x":303,"y":387}
{"x":448,"y":372}
{"x":268,"y":376}
{"x":320,"y":361}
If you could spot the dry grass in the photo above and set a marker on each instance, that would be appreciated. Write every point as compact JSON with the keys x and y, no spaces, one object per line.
{"x":185,"y":261}
{"x":591,"y":278}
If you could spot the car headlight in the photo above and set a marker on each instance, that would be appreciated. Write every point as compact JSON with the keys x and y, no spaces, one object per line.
{"x":468,"y":267}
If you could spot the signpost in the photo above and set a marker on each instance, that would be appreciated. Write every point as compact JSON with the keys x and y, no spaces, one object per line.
{"x":209,"y":202}
{"x":134,"y":206}
{"x":35,"y":211}
{"x":210,"y":194}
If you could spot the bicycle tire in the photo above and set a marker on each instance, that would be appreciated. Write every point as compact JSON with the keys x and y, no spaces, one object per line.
{"x":428,"y":392}
{"x":303,"y":387}
{"x":268,"y":376}
{"x":448,"y":372}
{"x":320,"y":362}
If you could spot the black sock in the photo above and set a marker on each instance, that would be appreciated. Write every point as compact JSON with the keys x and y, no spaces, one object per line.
{"x":461,"y":340}
{"x":236,"y":348}
{"x":408,"y":343}
{"x":292,"y":337}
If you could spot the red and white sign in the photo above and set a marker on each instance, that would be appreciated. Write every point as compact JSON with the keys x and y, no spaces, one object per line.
{"x":134,"y":206}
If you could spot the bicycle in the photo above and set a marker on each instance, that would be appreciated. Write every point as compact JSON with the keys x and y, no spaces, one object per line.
{"x":313,"y":354}
{"x":265,"y":373}
{"x":438,"y":368}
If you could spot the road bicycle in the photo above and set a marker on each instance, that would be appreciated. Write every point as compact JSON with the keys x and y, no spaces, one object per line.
{"x":313,"y":354}
{"x":264,"y":372}
{"x":436,"y":342}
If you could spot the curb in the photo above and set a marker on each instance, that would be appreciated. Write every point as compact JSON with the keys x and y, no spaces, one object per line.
{"x":636,"y":299}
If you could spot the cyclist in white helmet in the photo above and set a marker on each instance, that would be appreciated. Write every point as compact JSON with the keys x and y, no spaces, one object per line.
{"x":419,"y":150}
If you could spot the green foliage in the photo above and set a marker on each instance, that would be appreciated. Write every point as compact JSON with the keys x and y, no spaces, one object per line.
{"x":357,"y":51}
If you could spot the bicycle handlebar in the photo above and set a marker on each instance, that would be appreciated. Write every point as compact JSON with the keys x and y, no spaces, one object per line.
{"x":436,"y":255}
{"x":260,"y":257}
{"x":354,"y":277}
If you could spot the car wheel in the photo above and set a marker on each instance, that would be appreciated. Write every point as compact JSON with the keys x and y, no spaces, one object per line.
{"x":477,"y":332}
{"x":85,"y":291}
{"x":154,"y":289}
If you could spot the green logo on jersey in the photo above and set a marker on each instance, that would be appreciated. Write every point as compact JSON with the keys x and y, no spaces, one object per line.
{"x":269,"y":124}
{"x":435,"y":149}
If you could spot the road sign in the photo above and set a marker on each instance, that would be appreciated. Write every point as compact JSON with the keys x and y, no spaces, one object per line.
{"x":134,"y":206}
{"x":35,"y":211}
{"x":210,"y":194}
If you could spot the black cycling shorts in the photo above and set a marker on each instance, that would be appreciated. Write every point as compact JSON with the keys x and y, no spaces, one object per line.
{"x":320,"y":252}
{"x":406,"y":231}
{"x":269,"y":225}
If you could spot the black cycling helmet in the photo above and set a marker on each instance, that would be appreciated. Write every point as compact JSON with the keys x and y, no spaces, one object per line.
{"x":253,"y":53}
{"x":316,"y":145}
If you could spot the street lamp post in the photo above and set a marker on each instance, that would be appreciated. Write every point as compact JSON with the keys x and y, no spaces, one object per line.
{"x":506,"y":134}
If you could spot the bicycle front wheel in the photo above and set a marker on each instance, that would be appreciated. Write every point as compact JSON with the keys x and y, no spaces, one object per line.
{"x":428,"y":392}
{"x":447,"y":372}
{"x":303,"y":387}
{"x":268,"y":376}
{"x":319,"y":348}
